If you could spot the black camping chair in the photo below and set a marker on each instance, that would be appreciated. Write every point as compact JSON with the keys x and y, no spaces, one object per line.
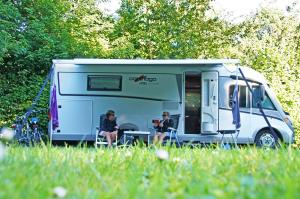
{"x":172,"y":132}
{"x":233,"y":133}
{"x":100,"y":139}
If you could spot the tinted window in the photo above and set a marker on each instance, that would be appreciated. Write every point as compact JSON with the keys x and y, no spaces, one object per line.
{"x":104,"y":83}
{"x":266,"y":104}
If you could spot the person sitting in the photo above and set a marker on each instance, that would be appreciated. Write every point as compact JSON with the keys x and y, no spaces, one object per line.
{"x":109,"y":127}
{"x":161,"y":127}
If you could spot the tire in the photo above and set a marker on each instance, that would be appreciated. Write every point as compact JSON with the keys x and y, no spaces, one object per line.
{"x":266,"y":139}
{"x":36,"y":137}
{"x":23,"y":141}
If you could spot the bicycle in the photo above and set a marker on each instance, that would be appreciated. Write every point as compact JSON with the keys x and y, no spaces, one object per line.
{"x":27,"y":132}
{"x":36,"y":132}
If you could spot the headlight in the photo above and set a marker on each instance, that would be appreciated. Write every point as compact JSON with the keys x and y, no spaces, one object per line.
{"x":287,"y":121}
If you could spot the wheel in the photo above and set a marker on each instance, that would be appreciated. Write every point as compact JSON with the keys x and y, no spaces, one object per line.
{"x":23,"y":140}
{"x":266,"y":139}
{"x":36,"y":137}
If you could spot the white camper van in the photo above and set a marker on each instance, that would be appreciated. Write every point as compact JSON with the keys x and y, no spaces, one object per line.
{"x":198,"y":91}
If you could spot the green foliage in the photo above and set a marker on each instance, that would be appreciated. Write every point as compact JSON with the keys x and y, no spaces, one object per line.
{"x":18,"y":92}
{"x":35,"y":32}
{"x":32,"y":33}
{"x":138,"y":173}
{"x":270,"y":43}
{"x":168,"y":29}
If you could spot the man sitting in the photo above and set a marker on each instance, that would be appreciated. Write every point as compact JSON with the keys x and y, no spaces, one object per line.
{"x":161,"y":127}
{"x":109,"y":127}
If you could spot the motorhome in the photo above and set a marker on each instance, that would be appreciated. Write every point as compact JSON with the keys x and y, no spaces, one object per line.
{"x":199,"y":91}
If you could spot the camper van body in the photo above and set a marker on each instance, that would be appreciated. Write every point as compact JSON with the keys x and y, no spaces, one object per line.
{"x":199,"y":91}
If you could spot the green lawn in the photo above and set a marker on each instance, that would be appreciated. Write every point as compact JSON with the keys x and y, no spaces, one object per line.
{"x":138,"y":173}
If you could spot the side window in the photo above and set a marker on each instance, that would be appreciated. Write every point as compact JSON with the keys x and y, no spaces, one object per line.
{"x":243,"y":96}
{"x":266,"y":104}
{"x":104,"y":83}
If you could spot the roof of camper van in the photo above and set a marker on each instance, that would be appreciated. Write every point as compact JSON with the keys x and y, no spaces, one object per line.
{"x":145,"y":61}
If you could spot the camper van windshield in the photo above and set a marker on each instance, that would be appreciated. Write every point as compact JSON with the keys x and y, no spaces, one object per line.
{"x":104,"y":83}
{"x":266,"y":103}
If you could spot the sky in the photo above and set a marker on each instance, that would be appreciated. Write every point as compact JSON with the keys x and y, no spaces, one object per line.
{"x":233,"y":10}
{"x":239,"y":9}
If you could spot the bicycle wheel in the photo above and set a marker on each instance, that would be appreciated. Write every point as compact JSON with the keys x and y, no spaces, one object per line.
{"x":36,"y":137}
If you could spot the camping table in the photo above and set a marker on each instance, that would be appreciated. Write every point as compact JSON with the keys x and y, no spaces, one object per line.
{"x":137,"y":133}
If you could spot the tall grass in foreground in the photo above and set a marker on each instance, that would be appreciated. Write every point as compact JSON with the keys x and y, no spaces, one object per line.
{"x":138,"y":173}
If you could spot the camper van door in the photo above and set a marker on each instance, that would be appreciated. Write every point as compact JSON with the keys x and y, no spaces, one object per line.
{"x":209,"y":110}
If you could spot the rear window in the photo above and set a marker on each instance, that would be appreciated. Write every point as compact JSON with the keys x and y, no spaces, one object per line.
{"x":104,"y":83}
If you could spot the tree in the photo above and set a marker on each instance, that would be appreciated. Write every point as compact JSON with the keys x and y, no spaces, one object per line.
{"x":168,"y":29}
{"x":33,"y":32}
{"x":270,"y":43}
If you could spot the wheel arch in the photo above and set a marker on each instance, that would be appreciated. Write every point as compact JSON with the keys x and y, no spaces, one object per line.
{"x":267,"y":128}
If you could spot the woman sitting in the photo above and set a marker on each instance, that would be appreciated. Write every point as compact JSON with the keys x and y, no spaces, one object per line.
{"x":109,"y":127}
{"x":161,"y":128}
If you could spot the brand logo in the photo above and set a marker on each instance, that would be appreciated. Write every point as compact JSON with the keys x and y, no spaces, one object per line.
{"x":143,"y":78}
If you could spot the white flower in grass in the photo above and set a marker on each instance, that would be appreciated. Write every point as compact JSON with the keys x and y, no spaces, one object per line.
{"x":181,"y":161}
{"x":162,"y":154}
{"x":60,"y":192}
{"x":2,"y":151}
{"x":7,"y":134}
{"x":176,"y":159}
{"x":128,"y":154}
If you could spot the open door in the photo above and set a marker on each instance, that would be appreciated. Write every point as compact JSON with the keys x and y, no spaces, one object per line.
{"x":209,"y":105}
{"x":192,"y":103}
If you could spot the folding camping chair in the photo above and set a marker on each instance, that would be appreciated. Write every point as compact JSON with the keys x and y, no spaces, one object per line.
{"x":230,"y":132}
{"x":100,"y":139}
{"x":172,"y":132}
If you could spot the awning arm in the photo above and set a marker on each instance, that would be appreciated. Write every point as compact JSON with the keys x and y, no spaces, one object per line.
{"x":258,"y":102}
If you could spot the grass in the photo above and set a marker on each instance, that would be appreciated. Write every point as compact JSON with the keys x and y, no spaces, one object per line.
{"x":138,"y":173}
